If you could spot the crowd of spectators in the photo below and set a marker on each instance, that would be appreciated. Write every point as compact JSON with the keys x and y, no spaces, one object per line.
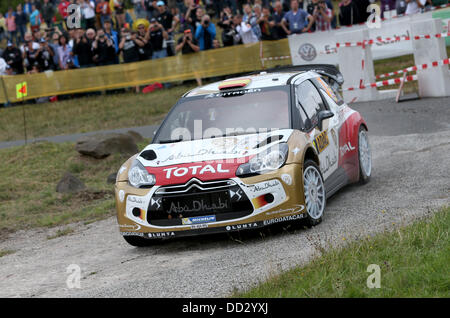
{"x":36,"y":35}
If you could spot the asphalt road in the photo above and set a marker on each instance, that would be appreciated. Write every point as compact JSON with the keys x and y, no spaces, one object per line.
{"x":411,"y":178}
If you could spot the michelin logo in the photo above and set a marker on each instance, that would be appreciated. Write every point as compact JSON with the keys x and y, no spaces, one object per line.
{"x":199,"y":219}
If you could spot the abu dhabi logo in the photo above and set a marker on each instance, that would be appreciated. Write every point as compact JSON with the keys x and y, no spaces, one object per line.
{"x":307,"y":52}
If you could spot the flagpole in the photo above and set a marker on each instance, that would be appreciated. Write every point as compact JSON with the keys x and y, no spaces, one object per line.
{"x":24,"y":121}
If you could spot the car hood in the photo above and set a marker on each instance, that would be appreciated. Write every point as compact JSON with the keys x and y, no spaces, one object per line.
{"x":212,"y":149}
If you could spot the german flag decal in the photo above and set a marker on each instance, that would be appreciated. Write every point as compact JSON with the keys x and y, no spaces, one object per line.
{"x":236,"y":83}
{"x":322,"y":141}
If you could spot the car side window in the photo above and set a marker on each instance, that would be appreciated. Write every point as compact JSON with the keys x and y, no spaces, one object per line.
{"x":330,"y":90}
{"x":310,"y":103}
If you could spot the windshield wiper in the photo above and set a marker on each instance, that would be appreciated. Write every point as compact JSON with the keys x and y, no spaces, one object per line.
{"x":170,"y":141}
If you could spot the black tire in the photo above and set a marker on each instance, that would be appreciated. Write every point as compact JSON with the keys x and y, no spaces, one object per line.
{"x":364,"y":176}
{"x":313,"y":220}
{"x":139,"y":241}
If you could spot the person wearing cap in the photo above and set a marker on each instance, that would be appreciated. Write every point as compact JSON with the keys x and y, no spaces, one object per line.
{"x":45,"y":56}
{"x":143,"y":40}
{"x":187,"y":44}
{"x":169,"y":22}
{"x":150,"y":8}
{"x":30,"y":56}
{"x":157,"y":35}
{"x":13,"y":57}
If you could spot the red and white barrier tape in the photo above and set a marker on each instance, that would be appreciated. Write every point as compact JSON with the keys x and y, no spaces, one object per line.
{"x":415,"y":68}
{"x":390,"y":39}
{"x":389,"y":82}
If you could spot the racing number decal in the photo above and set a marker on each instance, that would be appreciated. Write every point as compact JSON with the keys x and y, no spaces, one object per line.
{"x":322,"y":141}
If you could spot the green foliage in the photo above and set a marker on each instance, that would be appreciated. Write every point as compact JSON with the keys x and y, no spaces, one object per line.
{"x":413,"y":261}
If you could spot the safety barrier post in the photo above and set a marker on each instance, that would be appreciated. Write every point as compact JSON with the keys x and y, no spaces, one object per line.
{"x":433,"y":81}
{"x":356,"y":65}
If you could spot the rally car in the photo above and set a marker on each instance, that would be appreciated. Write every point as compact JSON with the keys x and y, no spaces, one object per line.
{"x":242,"y":154}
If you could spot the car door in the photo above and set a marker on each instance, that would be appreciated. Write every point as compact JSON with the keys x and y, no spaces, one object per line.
{"x":325,"y":138}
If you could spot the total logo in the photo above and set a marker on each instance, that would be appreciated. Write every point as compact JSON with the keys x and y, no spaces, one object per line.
{"x":194,"y":170}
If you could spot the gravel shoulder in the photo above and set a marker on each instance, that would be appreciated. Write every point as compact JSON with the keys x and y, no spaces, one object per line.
{"x":411,"y":178}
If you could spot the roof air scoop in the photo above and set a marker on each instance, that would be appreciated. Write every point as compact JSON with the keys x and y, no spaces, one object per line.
{"x":149,"y":155}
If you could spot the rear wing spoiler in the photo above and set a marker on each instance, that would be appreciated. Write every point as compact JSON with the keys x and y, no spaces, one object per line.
{"x":329,"y":71}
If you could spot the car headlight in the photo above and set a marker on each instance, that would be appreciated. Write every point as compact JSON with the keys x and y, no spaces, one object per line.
{"x":139,"y":177}
{"x":272,"y":159}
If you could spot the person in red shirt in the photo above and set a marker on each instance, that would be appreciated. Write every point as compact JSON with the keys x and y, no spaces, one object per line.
{"x":104,"y":10}
{"x":62,"y":8}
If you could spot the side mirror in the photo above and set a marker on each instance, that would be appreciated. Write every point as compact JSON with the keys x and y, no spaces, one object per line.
{"x":324,"y":114}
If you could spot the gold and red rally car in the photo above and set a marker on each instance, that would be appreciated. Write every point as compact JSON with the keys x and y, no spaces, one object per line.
{"x":242,"y":154}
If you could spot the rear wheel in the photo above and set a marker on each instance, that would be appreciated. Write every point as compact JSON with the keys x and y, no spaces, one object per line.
{"x":139,"y":241}
{"x":314,"y":190}
{"x":364,"y":155}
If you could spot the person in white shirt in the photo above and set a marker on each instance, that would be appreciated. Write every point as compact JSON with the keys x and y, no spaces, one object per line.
{"x":245,"y":31}
{"x":88,"y":11}
{"x":3,"y":66}
{"x":414,"y":6}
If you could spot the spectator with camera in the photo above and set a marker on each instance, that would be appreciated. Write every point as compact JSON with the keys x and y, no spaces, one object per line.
{"x":145,"y":47}
{"x":226,"y":23}
{"x":244,"y":31}
{"x":297,"y":20}
{"x":83,"y":48}
{"x":266,"y":24}
{"x":251,"y":19}
{"x":187,"y":44}
{"x":129,"y":47}
{"x":103,"y":48}
{"x":13,"y":57}
{"x":45,"y":56}
{"x":157,"y":36}
{"x":322,"y":16}
{"x":205,"y":33}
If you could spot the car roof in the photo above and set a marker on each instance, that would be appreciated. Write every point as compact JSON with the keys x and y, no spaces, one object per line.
{"x":260,"y":80}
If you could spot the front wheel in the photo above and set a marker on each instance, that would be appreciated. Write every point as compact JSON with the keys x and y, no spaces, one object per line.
{"x":364,"y":155}
{"x":314,"y":190}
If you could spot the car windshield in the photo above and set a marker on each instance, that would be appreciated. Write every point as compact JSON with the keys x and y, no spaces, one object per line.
{"x":227,"y":113}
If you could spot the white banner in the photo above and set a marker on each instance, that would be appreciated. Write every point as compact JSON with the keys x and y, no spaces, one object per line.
{"x":319,"y":47}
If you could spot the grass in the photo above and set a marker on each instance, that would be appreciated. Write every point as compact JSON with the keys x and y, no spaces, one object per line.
{"x":59,"y":233}
{"x":86,"y":114}
{"x":413,"y":261}
{"x":5,"y":252}
{"x":28,"y":196}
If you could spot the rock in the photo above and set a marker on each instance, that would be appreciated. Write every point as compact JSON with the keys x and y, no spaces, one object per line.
{"x":102,"y":145}
{"x":111,"y":178}
{"x":70,"y":184}
{"x":137,"y":137}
